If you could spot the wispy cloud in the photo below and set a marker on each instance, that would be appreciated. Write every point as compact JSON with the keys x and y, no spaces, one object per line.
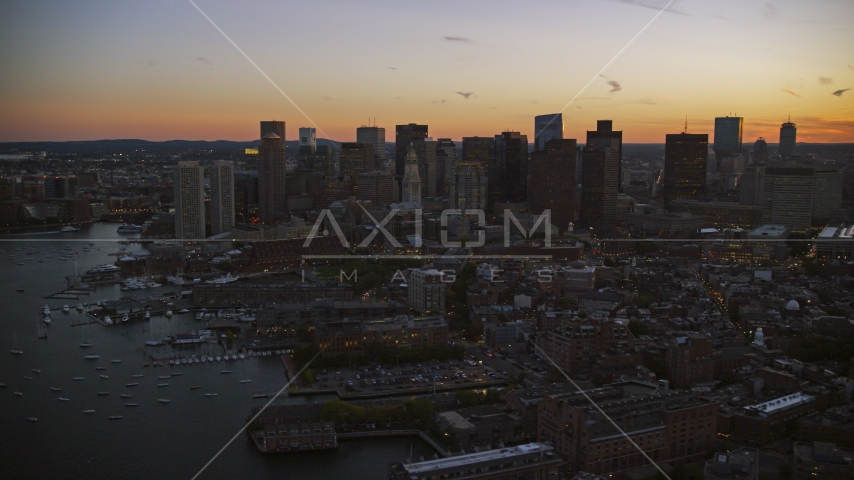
{"x":771,"y":10}
{"x":151,"y":62}
{"x":615,"y":86}
{"x":646,"y":101}
{"x":790,"y":92}
{"x":465,"y":95}
{"x":825,"y":80}
{"x":529,"y":101}
{"x":392,"y":68}
{"x":457,"y":39}
{"x":839,"y":93}
{"x":653,"y":4}
{"x":440,"y":101}
{"x":204,"y":60}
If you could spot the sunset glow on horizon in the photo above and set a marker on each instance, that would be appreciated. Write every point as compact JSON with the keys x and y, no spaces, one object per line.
{"x":160,"y":71}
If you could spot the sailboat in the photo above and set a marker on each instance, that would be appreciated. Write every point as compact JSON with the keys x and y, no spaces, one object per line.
{"x":14,"y":350}
{"x":210,"y":387}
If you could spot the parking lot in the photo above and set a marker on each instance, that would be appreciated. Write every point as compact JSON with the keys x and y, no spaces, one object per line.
{"x":512,"y":364}
{"x":416,"y":376}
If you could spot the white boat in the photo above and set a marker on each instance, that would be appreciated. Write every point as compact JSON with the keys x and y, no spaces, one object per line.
{"x":225,"y":371}
{"x":168,"y":313}
{"x":88,"y":411}
{"x":20,"y":394}
{"x":55,"y":389}
{"x":116,"y":360}
{"x":125,"y":318}
{"x":218,"y":358}
{"x":104,"y":377}
{"x":68,"y":229}
{"x":241,"y":356}
{"x":129,"y":228}
{"x":32,"y":419}
{"x":154,"y":285}
{"x":152,"y":343}
{"x":160,"y":385}
{"x":62,"y":399}
{"x":183,"y":310}
{"x":199,"y":316}
{"x":211,"y":394}
{"x":132,"y":384}
{"x":147,"y":315}
{"x":78,"y":378}
{"x":163,"y":400}
{"x":131,"y":404}
{"x":47,"y":320}
{"x":126,"y":395}
{"x":108,"y":320}
{"x":115,"y":417}
{"x":46,"y":310}
{"x":65,"y":308}
{"x":80,"y":307}
{"x":226,"y":279}
{"x":137,"y":375}
{"x":245,"y":381}
{"x":92,"y":357}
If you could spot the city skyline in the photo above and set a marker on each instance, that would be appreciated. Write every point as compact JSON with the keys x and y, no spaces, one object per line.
{"x":168,"y":73}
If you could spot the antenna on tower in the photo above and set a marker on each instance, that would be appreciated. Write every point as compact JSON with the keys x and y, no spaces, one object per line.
{"x":686,"y":124}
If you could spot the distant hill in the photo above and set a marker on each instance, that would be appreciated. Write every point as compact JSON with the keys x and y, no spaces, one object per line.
{"x":103,"y":146}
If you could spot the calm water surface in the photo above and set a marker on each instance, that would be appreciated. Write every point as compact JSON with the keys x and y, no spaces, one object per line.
{"x":153,"y":440}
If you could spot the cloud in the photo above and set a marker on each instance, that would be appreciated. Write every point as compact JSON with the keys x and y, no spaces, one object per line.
{"x":204,"y":60}
{"x":529,"y":101}
{"x":825,"y":80}
{"x":849,"y":66}
{"x":771,"y":10}
{"x":457,"y":39}
{"x":653,"y":4}
{"x":151,"y":62}
{"x":440,"y":101}
{"x":391,"y":68}
{"x":839,"y":93}
{"x":645,"y":101}
{"x":465,"y":95}
{"x":791,"y":92}
{"x":615,"y":86}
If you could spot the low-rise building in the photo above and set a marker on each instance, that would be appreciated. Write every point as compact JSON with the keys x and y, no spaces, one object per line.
{"x":822,"y":460}
{"x":531,"y":461}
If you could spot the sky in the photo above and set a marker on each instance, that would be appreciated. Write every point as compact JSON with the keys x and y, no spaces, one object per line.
{"x":159,"y":70}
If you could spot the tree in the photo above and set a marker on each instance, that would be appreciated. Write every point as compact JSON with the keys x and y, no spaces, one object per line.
{"x":638,"y":328}
{"x":308,"y":376}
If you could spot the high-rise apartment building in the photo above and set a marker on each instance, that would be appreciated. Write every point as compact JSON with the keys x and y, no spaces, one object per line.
{"x":355,"y":158}
{"x":827,"y":194}
{"x":751,"y":186}
{"x":685,"y":157}
{"x":375,"y":136}
{"x":272,"y":172}
{"x":728,"y":133}
{"x":468,"y":186}
{"x":788,"y":138}
{"x":600,"y":185}
{"x":604,"y":136}
{"x":508,"y":180}
{"x":405,"y":135}
{"x":760,"y":151}
{"x":547,"y":127}
{"x":189,"y":178}
{"x":411,"y":181}
{"x":553,"y":181}
{"x":427,"y":291}
{"x":788,"y":197}
{"x":222,"y":196}
{"x":376,"y":187}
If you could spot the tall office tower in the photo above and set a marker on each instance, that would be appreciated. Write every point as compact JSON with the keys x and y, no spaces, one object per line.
{"x":760,"y":151}
{"x":245,"y":191}
{"x":751,"y":186}
{"x":827,"y":194}
{"x":308,"y":137}
{"x":685,"y":156}
{"x":376,"y":137}
{"x":728,"y":132}
{"x":274,"y":126}
{"x":446,"y":155}
{"x":603,"y":137}
{"x":547,"y":127}
{"x":411,"y":183}
{"x":189,"y":181}
{"x":478,"y":149}
{"x":60,"y":187}
{"x":553,"y":181}
{"x":788,"y":197}
{"x":355,"y":158}
{"x":222,"y":196}
{"x":788,"y":137}
{"x":509,"y":178}
{"x":425,"y":150}
{"x":468,"y":186}
{"x":405,"y":135}
{"x":376,"y":187}
{"x":600,"y":186}
{"x":272,"y":172}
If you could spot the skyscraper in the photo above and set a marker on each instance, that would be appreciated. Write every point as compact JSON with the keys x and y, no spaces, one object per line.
{"x":222,"y":196}
{"x":788,"y":196}
{"x":728,"y":132}
{"x":272,"y":170}
{"x":478,"y":149}
{"x":411,"y":191}
{"x":599,"y":185}
{"x":553,"y":181}
{"x":468,"y":186}
{"x":603,"y":137}
{"x":827,"y":194}
{"x":374,"y":136}
{"x":509,"y":177}
{"x":788,"y":137}
{"x":405,"y":135}
{"x":307,"y":138}
{"x":274,"y":126}
{"x":751,"y":186}
{"x":188,"y":181}
{"x":760,"y":151}
{"x":355,"y":158}
{"x":425,"y":150}
{"x":547,"y":127}
{"x":685,"y":156}
{"x":376,"y":187}
{"x":446,"y":156}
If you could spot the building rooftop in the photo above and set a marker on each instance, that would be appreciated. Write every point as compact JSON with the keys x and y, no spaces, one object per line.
{"x":472,"y":460}
{"x":782,"y":403}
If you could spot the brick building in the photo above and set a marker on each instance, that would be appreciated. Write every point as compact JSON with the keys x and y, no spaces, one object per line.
{"x":689,"y":361}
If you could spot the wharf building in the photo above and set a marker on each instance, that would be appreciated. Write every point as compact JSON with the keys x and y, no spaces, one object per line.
{"x":670,"y":426}
{"x":400,"y":331}
{"x":292,"y":428}
{"x":283,"y":315}
{"x":253,"y":294}
{"x":533,"y":461}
